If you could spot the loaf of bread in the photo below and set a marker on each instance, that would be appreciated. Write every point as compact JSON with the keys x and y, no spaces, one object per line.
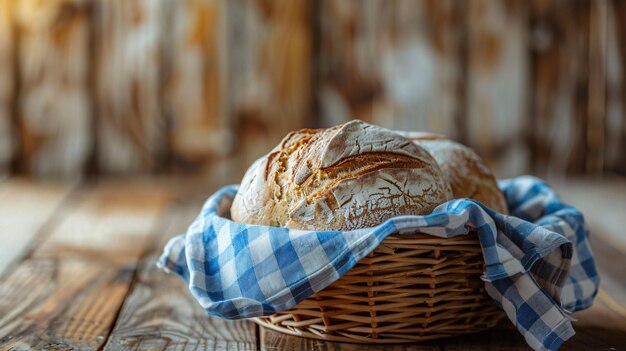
{"x":347,"y":177}
{"x":465,"y":171}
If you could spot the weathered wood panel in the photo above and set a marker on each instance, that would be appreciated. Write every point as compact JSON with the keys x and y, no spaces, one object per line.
{"x":114,"y":220}
{"x":596,"y":105}
{"x":139,"y":85}
{"x":615,"y":123}
{"x":130,"y":127}
{"x":559,"y":45}
{"x":25,"y":209}
{"x":606,"y":313}
{"x":497,"y":84}
{"x":271,"y":340}
{"x":269,"y":71}
{"x":503,"y":337}
{"x":7,"y":84}
{"x":394,"y":63}
{"x":54,"y":106}
{"x":161,"y":314}
{"x":67,"y":294}
{"x":197,"y":82}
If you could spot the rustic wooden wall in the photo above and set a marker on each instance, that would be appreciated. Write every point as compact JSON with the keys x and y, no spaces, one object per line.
{"x":130,"y":126}
{"x":394,"y":63}
{"x":497,"y":83}
{"x":614,"y":142}
{"x":269,"y":71}
{"x":53,"y":99}
{"x":153,"y":86}
{"x":6,"y":85}
{"x":196,"y":79}
{"x":559,"y":88}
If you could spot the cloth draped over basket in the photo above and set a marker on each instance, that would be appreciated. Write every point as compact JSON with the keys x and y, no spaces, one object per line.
{"x":539,"y":265}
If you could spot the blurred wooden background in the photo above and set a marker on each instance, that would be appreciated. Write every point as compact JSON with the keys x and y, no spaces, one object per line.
{"x":120,"y":87}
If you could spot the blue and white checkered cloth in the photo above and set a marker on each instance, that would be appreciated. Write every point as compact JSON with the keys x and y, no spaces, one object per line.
{"x":539,"y":266}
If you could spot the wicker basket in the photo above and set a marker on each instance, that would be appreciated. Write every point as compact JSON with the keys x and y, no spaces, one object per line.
{"x":412,"y":287}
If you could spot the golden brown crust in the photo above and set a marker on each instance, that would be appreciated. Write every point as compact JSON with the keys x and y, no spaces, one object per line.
{"x":350,"y":176}
{"x":467,"y":173}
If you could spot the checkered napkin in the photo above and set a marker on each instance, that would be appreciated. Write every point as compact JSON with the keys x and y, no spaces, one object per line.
{"x":539,"y":266}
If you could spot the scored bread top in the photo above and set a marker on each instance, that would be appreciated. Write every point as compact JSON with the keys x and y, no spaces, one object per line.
{"x":467,"y":173}
{"x":350,"y":176}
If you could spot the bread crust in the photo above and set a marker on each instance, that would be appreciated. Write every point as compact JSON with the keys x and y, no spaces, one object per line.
{"x":347,"y":177}
{"x":467,"y":173}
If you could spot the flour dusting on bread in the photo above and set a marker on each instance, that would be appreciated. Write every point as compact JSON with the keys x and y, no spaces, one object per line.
{"x":350,"y":176}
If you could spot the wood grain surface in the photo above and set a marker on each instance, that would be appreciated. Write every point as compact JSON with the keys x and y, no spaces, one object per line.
{"x":54,"y":103}
{"x":596,"y":107}
{"x":130,"y":126}
{"x":67,"y":294}
{"x":559,"y":85}
{"x":7,"y":85}
{"x":197,"y":82}
{"x":272,"y":340}
{"x":615,"y":108}
{"x":161,"y":314}
{"x":26,"y":209}
{"x":113,"y":220}
{"x":601,"y":327}
{"x":156,"y":86}
{"x":269,"y":71}
{"x":393,"y":63}
{"x":497,"y":84}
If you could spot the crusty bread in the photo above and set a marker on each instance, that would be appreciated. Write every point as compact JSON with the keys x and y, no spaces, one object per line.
{"x":350,"y":176}
{"x":467,"y":173}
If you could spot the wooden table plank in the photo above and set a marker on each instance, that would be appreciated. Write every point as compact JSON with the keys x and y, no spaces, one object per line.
{"x":68,"y":293}
{"x":603,"y":326}
{"x":602,"y":202}
{"x":503,"y":337}
{"x":272,"y":340}
{"x":610,"y":263}
{"x":161,"y":314}
{"x":25,"y":208}
{"x":111,"y":222}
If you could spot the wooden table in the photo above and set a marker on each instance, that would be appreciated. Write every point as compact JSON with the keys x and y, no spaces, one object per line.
{"x":77,"y":272}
